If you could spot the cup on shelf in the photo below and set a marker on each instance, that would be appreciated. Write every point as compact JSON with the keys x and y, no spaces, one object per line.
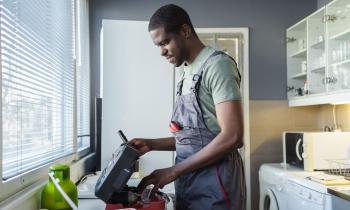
{"x":320,"y":38}
{"x":346,"y":49}
{"x":322,"y":60}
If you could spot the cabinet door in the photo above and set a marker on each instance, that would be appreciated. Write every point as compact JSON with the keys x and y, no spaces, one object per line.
{"x":316,"y":53}
{"x":137,"y":90}
{"x":338,"y":33}
{"x":296,"y":59}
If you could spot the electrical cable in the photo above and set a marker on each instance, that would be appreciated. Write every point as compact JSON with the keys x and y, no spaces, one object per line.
{"x":334,"y":117}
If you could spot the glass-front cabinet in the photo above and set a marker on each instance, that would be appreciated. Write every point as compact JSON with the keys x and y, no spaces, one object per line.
{"x":338,"y":53}
{"x":296,"y":59}
{"x":318,"y":57}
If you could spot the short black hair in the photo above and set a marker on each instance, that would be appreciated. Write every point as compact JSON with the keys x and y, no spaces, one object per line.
{"x":171,"y":17}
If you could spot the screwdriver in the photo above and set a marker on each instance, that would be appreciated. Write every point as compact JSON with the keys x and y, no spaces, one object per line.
{"x":122,"y":136}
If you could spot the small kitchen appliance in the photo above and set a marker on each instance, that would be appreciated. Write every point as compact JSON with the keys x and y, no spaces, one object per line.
{"x":111,"y":186}
{"x":313,"y":151}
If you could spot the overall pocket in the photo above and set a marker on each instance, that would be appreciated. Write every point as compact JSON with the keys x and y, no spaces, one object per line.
{"x":188,"y":142}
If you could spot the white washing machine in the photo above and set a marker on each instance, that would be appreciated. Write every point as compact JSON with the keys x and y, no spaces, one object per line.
{"x":272,"y":181}
{"x":305,"y":194}
{"x":287,"y":188}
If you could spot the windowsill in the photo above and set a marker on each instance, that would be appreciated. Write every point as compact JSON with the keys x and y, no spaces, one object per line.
{"x":29,"y":197}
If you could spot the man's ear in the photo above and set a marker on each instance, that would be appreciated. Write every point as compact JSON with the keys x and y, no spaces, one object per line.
{"x":186,"y":31}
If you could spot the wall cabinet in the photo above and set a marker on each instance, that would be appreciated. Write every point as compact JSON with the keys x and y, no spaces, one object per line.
{"x":318,"y":57}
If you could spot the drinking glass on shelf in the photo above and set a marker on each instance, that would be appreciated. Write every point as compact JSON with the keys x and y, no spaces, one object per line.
{"x":346,"y":81}
{"x":302,"y":44}
{"x":345,"y":50}
{"x":334,"y":56}
{"x":340,"y":52}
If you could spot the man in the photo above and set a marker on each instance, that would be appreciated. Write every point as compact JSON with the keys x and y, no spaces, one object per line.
{"x":206,"y":123}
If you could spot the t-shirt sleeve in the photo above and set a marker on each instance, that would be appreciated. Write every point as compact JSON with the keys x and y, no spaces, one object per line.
{"x":223,"y":81}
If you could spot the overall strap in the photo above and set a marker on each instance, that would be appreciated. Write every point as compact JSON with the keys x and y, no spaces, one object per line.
{"x":197,"y":77}
{"x":180,"y":84}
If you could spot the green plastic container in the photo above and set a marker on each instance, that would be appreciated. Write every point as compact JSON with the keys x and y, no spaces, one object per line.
{"x":51,"y":198}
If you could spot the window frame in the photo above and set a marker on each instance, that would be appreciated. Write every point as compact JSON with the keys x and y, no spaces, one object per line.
{"x":17,"y":183}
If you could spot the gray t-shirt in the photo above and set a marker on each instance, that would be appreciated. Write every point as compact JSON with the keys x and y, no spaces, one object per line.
{"x":220,"y":83}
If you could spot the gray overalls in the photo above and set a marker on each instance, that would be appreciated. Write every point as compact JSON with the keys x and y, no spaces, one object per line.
{"x":219,"y":186}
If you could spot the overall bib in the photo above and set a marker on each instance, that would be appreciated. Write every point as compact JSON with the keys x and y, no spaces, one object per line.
{"x":220,"y":186}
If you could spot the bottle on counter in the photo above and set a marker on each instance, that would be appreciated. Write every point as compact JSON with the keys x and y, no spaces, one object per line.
{"x":51,"y":198}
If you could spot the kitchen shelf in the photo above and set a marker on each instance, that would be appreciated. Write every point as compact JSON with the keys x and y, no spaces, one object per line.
{"x":341,"y":36}
{"x":299,"y":54}
{"x":318,"y":45}
{"x":346,"y":62}
{"x":301,"y":75}
{"x":320,"y":69}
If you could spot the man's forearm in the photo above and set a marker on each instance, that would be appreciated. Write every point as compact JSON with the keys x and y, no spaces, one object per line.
{"x":163,"y":144}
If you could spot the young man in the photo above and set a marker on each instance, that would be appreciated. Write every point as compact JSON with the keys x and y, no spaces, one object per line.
{"x":206,"y":123}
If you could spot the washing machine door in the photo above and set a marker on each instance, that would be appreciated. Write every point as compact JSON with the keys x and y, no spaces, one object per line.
{"x":269,"y":201}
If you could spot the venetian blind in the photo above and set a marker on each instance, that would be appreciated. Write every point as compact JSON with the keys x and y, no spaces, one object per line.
{"x":83,"y":76}
{"x":37,"y":68}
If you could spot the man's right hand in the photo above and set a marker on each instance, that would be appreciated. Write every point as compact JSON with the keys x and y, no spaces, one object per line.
{"x":141,"y":145}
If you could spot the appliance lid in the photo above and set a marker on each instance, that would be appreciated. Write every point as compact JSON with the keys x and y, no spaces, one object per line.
{"x":116,"y":174}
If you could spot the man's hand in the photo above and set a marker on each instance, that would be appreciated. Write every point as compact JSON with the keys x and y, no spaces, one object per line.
{"x":141,"y":145}
{"x":158,"y":178}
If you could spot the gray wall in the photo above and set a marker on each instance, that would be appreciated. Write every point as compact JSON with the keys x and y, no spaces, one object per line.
{"x":321,"y":3}
{"x":267,"y":21}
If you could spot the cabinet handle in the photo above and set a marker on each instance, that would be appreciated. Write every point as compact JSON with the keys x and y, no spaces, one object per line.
{"x":332,"y":80}
{"x":331,"y":18}
{"x":290,"y":39}
{"x":329,"y":80}
{"x":290,"y":88}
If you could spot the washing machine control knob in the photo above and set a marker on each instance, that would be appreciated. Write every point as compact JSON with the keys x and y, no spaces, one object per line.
{"x":279,"y":188}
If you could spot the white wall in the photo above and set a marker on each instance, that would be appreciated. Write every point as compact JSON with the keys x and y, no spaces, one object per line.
{"x":137,"y":90}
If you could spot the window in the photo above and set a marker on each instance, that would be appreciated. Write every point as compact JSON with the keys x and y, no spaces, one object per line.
{"x":37,"y":52}
{"x":83,"y":76}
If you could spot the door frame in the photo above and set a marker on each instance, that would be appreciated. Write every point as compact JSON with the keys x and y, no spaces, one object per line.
{"x":245,"y":96}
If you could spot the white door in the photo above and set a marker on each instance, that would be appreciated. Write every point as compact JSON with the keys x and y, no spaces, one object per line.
{"x":235,"y":42}
{"x":137,"y":90}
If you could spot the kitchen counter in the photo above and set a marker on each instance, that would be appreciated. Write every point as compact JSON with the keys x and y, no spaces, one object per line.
{"x":88,"y":201}
{"x":340,"y":191}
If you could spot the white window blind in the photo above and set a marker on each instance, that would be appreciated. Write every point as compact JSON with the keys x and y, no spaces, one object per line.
{"x":83,"y":76}
{"x":37,"y":68}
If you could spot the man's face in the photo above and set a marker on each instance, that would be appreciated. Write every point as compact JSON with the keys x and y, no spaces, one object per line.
{"x":171,"y":45}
